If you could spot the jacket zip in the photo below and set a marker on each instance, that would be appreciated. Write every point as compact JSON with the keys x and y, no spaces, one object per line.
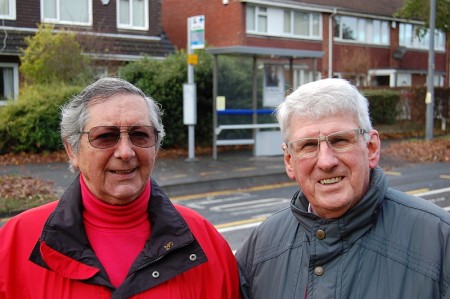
{"x":145,"y":265}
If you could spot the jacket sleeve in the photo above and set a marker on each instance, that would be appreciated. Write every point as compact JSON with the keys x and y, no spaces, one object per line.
{"x":221,"y":272}
{"x":226,"y":257}
{"x":4,"y":258}
{"x":244,"y":256}
{"x":13,"y":258}
{"x":17,"y":239}
{"x":244,"y":286}
{"x":446,"y":261}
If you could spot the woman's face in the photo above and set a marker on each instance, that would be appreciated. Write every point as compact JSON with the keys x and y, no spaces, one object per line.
{"x":116,"y":175}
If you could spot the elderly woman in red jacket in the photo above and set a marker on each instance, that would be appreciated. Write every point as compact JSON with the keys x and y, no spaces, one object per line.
{"x":114,"y":233}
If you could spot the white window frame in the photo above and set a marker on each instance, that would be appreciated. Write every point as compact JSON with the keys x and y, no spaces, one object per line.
{"x":276,"y":23}
{"x":11,"y":15}
{"x":365,"y":31}
{"x":131,"y":26}
{"x":261,"y":14}
{"x":438,"y":80}
{"x":408,"y":38}
{"x":250,"y":22}
{"x":258,"y":13}
{"x":58,"y":20}
{"x":303,"y":75}
{"x":15,"y":86}
{"x":314,"y":18}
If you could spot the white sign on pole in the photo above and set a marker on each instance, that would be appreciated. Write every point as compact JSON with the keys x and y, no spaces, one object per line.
{"x":197,"y":32}
{"x":189,"y":104}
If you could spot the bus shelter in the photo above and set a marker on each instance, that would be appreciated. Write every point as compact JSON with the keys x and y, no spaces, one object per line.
{"x":264,"y":139}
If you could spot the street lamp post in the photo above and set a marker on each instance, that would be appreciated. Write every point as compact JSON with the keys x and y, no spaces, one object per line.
{"x":429,"y":99}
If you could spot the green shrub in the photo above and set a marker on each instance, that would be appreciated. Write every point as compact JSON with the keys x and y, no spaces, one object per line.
{"x":31,"y":123}
{"x":54,"y":57}
{"x":50,"y":63}
{"x":382,"y":105}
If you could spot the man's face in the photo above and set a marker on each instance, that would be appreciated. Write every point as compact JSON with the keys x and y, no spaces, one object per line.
{"x":116,"y":175}
{"x":332,"y":181}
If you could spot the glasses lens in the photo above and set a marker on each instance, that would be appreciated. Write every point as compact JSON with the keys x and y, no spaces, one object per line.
{"x":108,"y":136}
{"x":143,"y":136}
{"x":104,"y":137}
{"x":342,"y":141}
{"x":339,"y":141}
{"x":304,"y":148}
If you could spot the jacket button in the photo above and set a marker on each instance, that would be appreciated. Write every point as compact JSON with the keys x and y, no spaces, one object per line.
{"x":320,"y":234}
{"x":193,"y":257}
{"x":318,"y":271}
{"x":155,"y":274}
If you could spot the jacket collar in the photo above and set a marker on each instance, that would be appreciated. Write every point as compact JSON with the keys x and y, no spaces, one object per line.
{"x":64,"y":236}
{"x":353,"y":224}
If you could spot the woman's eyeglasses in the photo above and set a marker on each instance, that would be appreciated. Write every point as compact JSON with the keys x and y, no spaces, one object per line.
{"x":108,"y":136}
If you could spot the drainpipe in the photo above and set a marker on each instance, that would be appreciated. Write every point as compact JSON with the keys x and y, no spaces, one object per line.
{"x":330,"y":43}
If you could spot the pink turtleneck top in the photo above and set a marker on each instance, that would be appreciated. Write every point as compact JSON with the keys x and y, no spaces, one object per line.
{"x":117,"y":233}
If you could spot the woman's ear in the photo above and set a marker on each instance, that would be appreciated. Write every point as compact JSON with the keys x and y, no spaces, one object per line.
{"x":73,"y":157}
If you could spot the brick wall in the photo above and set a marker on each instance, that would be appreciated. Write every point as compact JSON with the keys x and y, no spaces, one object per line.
{"x":223,"y":23}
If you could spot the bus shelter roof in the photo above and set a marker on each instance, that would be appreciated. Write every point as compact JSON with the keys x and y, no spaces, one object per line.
{"x":265,"y":51}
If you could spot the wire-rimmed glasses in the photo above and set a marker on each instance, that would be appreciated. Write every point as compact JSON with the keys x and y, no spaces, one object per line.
{"x":104,"y":137}
{"x":339,"y":141}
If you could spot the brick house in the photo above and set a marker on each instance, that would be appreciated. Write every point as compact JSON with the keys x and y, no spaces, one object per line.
{"x":112,"y":32}
{"x":292,"y":42}
{"x":358,"y":40}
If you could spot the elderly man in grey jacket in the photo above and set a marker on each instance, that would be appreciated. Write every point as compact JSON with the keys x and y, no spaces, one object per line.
{"x":346,"y":234}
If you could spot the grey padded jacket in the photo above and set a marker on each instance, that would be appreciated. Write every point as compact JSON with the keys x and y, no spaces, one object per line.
{"x":390,"y":245}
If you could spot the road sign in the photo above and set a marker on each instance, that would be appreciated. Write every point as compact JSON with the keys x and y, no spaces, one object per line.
{"x":197,"y":32}
{"x":192,"y":59}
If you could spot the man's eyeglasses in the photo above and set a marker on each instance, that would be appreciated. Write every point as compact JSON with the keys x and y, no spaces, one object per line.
{"x":340,"y":142}
{"x":108,"y":136}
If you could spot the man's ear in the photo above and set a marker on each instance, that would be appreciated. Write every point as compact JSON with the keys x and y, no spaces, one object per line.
{"x":288,"y":162}
{"x":73,"y":157}
{"x":374,"y":149}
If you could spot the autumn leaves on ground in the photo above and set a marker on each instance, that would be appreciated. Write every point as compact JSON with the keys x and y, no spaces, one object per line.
{"x":19,"y":193}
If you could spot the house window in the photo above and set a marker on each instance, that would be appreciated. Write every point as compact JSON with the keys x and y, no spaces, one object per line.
{"x":250,"y":19}
{"x":301,"y":23}
{"x":381,"y":81}
{"x":9,"y":81}
{"x":361,"y":30}
{"x":304,"y":75}
{"x":8,"y":9}
{"x":283,"y":22}
{"x":132,"y":14}
{"x":262,"y":19}
{"x":287,"y":22}
{"x":67,"y":11}
{"x":256,"y":19}
{"x":411,"y":36}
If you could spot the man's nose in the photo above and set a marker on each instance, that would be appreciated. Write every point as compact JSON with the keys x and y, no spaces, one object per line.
{"x":326,"y":157}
